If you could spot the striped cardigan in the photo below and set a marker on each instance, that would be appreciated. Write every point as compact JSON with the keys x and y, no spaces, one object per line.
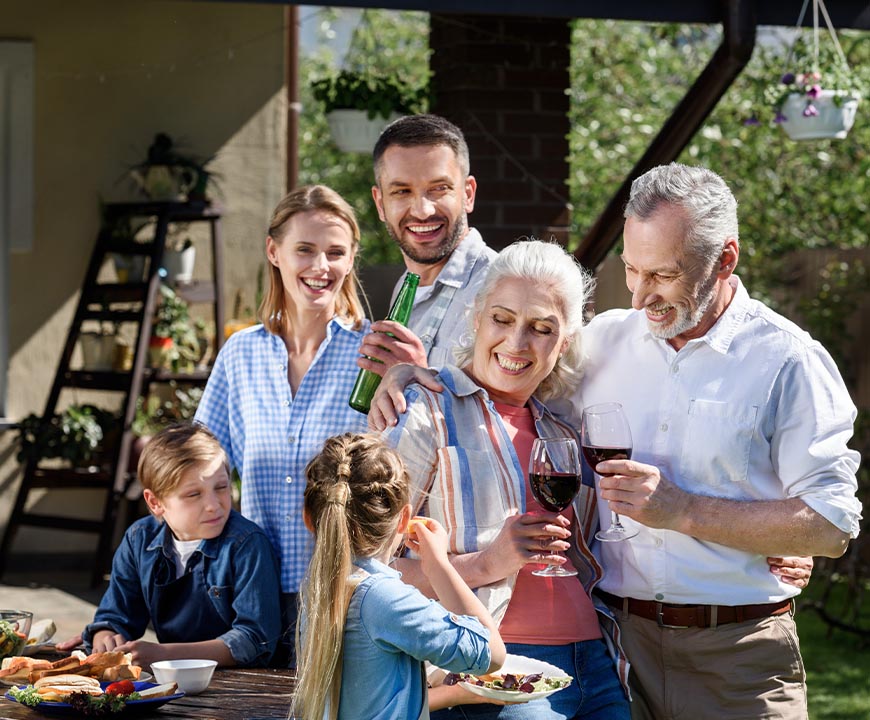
{"x":465,"y":473}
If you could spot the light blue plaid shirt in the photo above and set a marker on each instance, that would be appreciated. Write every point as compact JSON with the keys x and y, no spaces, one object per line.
{"x":269,"y":435}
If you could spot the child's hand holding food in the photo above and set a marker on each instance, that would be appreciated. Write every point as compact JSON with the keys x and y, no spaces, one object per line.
{"x":428,"y":539}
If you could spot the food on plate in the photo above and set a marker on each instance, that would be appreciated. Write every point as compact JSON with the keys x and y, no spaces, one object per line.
{"x":16,"y":670}
{"x":56,"y":688}
{"x":41,"y":631}
{"x":11,"y":639}
{"x":159,"y":691}
{"x":122,"y":687}
{"x":108,"y":666}
{"x":512,"y":682}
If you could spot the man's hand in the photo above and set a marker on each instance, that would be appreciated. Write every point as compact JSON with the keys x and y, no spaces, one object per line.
{"x":70,"y":644}
{"x":403,"y":347}
{"x":389,"y":399}
{"x":792,"y":570}
{"x":640,"y":492}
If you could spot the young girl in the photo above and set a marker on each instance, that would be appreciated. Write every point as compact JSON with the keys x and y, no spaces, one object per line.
{"x":364,"y":634}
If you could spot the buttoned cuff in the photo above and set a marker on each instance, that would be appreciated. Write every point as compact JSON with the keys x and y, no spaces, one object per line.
{"x":245,"y":651}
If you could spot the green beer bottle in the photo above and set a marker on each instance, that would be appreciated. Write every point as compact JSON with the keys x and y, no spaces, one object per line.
{"x":367,"y":381}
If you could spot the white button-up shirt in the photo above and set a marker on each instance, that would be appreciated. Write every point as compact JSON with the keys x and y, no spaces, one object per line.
{"x":753,"y":410}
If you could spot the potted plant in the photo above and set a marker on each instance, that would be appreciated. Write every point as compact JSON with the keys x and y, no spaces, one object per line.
{"x":74,"y":436}
{"x":358,"y":105}
{"x":818,"y":94}
{"x":179,"y":257}
{"x":168,"y":174}
{"x":174,"y":343}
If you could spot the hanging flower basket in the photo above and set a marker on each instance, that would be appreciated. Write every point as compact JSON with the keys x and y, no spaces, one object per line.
{"x":355,"y":131}
{"x":817,"y":96}
{"x":829,"y":114}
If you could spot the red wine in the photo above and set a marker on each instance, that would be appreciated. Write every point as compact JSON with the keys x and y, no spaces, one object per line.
{"x":555,"y":491}
{"x":595,"y":455}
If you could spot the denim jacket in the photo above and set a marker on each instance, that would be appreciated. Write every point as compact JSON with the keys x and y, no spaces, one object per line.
{"x":240,"y":574}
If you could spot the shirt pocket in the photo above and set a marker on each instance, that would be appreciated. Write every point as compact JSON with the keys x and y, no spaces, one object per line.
{"x":221,"y":597}
{"x":471,"y":497}
{"x":716,"y":448}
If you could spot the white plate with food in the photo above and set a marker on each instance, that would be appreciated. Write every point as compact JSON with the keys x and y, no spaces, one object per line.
{"x":520,"y":680}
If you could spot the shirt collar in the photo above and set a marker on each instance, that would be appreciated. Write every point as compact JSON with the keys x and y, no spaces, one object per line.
{"x":375,"y":567}
{"x":163,"y":541}
{"x":719,"y":336}
{"x":461,"y":385}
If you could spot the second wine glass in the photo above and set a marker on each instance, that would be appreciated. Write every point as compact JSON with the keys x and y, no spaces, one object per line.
{"x":554,"y":476}
{"x":605,"y":435}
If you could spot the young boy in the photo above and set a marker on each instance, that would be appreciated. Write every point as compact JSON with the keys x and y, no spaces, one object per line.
{"x":204,"y":576}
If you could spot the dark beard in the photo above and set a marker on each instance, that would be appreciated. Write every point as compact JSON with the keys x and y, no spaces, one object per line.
{"x":447,"y":246}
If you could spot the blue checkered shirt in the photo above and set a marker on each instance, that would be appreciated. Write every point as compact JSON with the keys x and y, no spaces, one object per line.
{"x":270,"y":436}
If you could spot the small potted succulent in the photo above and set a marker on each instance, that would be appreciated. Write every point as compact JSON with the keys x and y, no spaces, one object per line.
{"x":359,"y":105}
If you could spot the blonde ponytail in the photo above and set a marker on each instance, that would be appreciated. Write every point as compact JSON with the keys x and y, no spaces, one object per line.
{"x":356,"y":489}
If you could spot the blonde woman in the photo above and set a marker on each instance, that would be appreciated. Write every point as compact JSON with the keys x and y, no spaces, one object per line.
{"x":279,"y":389}
{"x":364,"y":634}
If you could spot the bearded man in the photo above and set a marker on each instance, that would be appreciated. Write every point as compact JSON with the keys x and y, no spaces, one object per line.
{"x":740,"y":422}
{"x":424,"y":191}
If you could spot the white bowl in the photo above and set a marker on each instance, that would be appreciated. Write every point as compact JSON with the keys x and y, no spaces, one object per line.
{"x":192,"y":676}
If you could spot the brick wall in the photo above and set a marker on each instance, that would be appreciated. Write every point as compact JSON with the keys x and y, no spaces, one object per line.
{"x":503,"y":81}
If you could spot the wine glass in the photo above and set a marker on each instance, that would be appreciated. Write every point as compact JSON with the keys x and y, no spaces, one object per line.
{"x":605,"y":435}
{"x":554,"y":476}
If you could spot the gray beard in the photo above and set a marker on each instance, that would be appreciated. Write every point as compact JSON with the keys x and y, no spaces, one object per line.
{"x":686,"y":320}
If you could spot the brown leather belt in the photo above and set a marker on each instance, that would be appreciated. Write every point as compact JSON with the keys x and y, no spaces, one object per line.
{"x":686,"y":616}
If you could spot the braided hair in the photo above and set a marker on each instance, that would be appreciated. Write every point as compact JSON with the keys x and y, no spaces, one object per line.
{"x":356,"y":489}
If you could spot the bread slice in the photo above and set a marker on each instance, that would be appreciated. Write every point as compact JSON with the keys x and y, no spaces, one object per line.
{"x":16,"y":670}
{"x":121,"y":672}
{"x":159,"y":691}
{"x":69,"y":669}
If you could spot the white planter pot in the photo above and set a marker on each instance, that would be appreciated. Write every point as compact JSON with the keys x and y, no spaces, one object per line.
{"x":179,"y":264}
{"x":832,"y":121}
{"x":98,"y":351}
{"x":353,"y":131}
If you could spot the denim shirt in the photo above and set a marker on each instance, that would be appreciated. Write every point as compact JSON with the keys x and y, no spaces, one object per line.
{"x":241,"y":577}
{"x":392,"y":628}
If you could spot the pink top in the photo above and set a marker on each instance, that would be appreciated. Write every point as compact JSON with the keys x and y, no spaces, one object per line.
{"x":543,"y":611}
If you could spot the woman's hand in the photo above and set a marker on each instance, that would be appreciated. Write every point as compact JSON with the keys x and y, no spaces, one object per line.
{"x":445,"y":696}
{"x":792,"y":570}
{"x":389,"y":399}
{"x":527,"y":538}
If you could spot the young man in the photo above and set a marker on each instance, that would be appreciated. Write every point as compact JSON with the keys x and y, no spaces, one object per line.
{"x":740,"y":422}
{"x":424,"y":191}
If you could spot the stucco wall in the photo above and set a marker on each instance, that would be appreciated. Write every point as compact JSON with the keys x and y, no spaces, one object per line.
{"x":108,"y":76}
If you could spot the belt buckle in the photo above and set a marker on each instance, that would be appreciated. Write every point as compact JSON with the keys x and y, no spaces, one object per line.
{"x":660,"y":620}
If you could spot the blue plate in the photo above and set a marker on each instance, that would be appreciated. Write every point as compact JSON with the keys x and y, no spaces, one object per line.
{"x":132,"y":706}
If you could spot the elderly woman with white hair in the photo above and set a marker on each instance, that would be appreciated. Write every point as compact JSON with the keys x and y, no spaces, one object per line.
{"x":467,"y":451}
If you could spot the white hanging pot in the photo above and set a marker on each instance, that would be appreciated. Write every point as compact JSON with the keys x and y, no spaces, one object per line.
{"x":353,"y":131}
{"x":179,"y":264}
{"x":829,"y":120}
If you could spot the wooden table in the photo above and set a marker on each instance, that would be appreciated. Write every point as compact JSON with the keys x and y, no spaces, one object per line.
{"x":233,"y":694}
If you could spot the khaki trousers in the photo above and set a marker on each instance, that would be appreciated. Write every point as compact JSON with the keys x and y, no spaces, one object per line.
{"x":739,"y":670}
